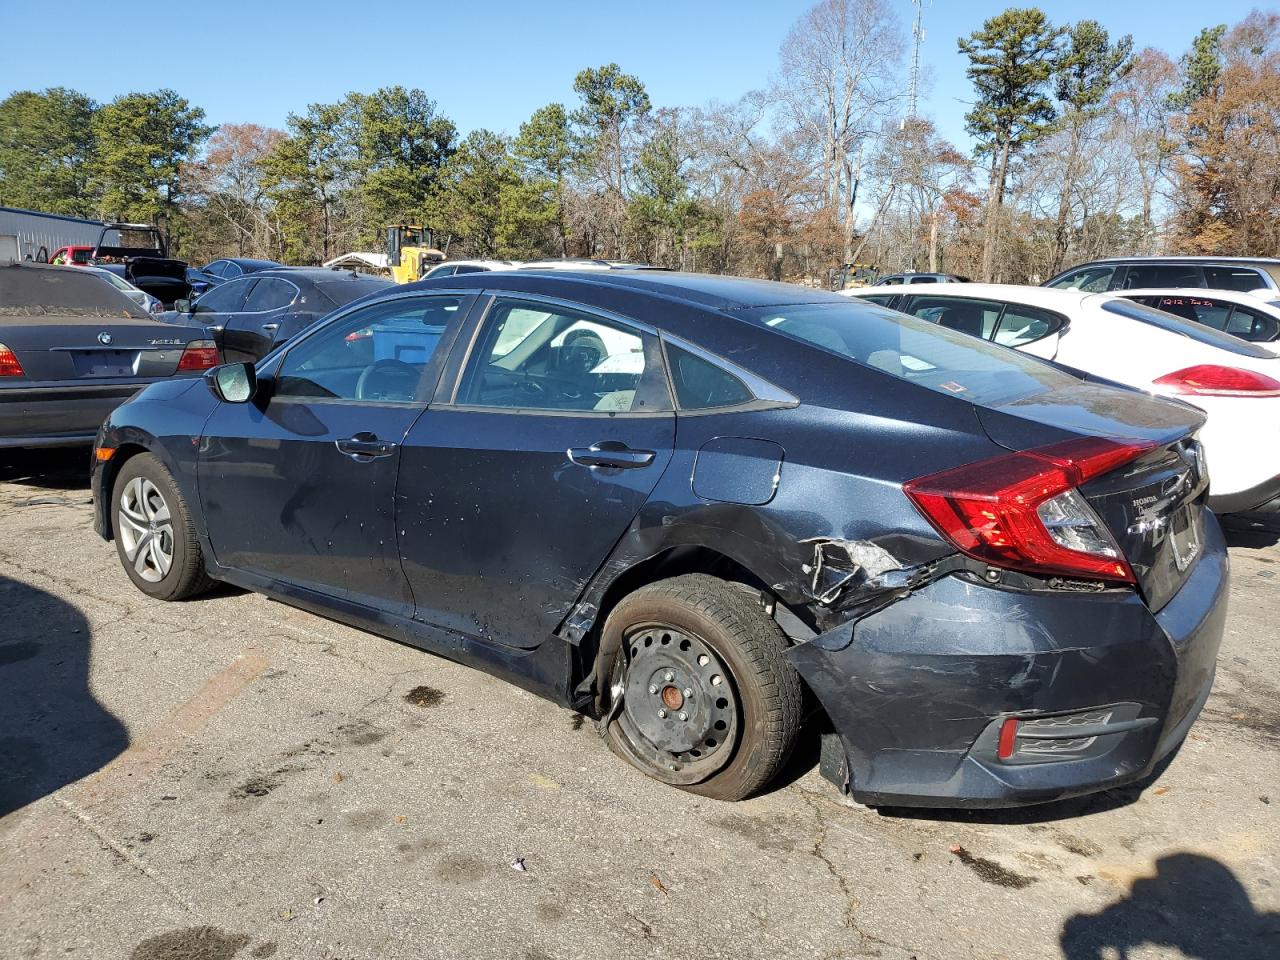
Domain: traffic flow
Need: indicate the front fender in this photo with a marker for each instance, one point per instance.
(167, 420)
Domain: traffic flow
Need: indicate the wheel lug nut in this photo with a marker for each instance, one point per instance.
(703, 659)
(683, 715)
(669, 676)
(688, 691)
(653, 689)
(662, 714)
(715, 681)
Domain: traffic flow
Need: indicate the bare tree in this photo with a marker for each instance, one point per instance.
(840, 78)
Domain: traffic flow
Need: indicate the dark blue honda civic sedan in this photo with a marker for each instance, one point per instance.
(675, 501)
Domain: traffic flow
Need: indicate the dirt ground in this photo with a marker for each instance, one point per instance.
(230, 778)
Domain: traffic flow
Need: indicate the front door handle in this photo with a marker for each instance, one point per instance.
(271, 326)
(610, 453)
(365, 446)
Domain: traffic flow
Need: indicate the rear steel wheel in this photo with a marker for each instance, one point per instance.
(701, 695)
(680, 712)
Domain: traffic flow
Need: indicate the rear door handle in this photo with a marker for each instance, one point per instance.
(271, 326)
(610, 453)
(365, 446)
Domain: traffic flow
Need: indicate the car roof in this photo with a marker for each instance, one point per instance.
(248, 262)
(314, 274)
(1273, 261)
(1049, 297)
(697, 289)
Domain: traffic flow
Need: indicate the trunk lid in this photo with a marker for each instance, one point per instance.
(1153, 506)
(94, 348)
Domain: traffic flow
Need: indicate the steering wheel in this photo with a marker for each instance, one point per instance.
(581, 353)
(388, 380)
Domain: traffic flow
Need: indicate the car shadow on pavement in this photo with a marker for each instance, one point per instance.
(1257, 530)
(1194, 904)
(60, 468)
(53, 731)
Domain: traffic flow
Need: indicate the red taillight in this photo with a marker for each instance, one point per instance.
(1211, 380)
(9, 365)
(199, 355)
(992, 510)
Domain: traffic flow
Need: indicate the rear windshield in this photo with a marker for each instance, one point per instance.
(60, 291)
(344, 291)
(914, 350)
(1187, 328)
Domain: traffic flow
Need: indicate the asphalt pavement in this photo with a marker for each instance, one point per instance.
(230, 778)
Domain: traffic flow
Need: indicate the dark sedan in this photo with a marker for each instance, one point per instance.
(251, 315)
(72, 348)
(673, 501)
(218, 272)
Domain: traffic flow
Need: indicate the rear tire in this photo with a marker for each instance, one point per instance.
(710, 703)
(154, 533)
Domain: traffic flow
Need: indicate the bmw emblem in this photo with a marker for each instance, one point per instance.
(104, 338)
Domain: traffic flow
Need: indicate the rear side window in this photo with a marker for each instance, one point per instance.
(270, 294)
(1021, 324)
(532, 356)
(225, 298)
(701, 385)
(1233, 278)
(890, 282)
(884, 299)
(923, 280)
(340, 292)
(471, 269)
(914, 350)
(1142, 275)
(1249, 324)
(1175, 324)
(1093, 279)
(977, 318)
(1204, 310)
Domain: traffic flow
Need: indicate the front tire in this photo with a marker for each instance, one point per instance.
(154, 533)
(710, 703)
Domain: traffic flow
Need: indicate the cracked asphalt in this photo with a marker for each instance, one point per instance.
(231, 778)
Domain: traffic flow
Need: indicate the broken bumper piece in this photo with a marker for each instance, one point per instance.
(1100, 689)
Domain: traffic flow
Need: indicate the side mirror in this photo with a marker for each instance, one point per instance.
(182, 306)
(233, 382)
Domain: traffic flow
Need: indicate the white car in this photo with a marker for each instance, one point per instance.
(450, 267)
(1253, 316)
(143, 299)
(1105, 335)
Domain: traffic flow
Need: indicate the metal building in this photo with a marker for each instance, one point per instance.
(49, 231)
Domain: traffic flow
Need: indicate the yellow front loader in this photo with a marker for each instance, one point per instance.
(410, 252)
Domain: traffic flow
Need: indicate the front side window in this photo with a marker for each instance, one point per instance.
(977, 318)
(1091, 279)
(924, 279)
(701, 384)
(382, 353)
(447, 270)
(231, 270)
(1233, 278)
(912, 349)
(532, 356)
(890, 282)
(466, 268)
(215, 269)
(224, 298)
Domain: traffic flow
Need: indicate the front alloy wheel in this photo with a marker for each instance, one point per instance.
(145, 527)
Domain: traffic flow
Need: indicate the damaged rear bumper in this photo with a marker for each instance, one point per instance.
(1103, 689)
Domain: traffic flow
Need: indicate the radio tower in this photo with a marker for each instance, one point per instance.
(917, 34)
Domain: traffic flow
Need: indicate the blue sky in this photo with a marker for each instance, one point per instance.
(488, 63)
